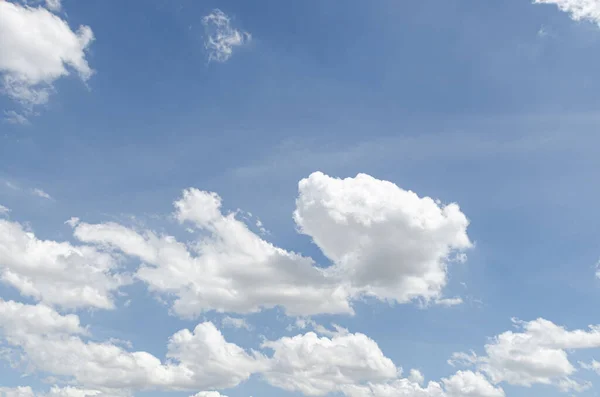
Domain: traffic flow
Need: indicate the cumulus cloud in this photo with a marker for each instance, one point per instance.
(385, 241)
(578, 9)
(229, 269)
(53, 343)
(54, 5)
(470, 384)
(221, 38)
(57, 273)
(208, 394)
(38, 48)
(539, 354)
(316, 365)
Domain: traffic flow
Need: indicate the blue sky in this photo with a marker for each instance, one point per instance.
(115, 111)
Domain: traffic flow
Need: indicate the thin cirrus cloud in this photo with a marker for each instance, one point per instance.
(579, 10)
(221, 37)
(32, 59)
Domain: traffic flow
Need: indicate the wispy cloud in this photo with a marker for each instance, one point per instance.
(4, 210)
(221, 37)
(235, 322)
(41, 193)
(14, 117)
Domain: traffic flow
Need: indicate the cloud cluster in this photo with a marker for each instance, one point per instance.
(383, 242)
(539, 354)
(38, 48)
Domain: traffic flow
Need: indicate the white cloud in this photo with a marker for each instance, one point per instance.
(235, 322)
(57, 273)
(55, 391)
(539, 354)
(319, 365)
(54, 5)
(4, 210)
(229, 269)
(40, 193)
(470, 384)
(221, 37)
(208, 394)
(578, 9)
(14, 117)
(38, 48)
(52, 343)
(385, 241)
(461, 384)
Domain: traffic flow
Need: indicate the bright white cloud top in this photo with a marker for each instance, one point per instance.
(38, 48)
(580, 10)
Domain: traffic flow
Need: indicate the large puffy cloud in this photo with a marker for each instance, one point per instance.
(231, 269)
(578, 9)
(49, 342)
(36, 49)
(57, 273)
(317, 365)
(539, 354)
(385, 241)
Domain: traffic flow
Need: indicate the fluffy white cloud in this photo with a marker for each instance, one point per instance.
(470, 384)
(461, 384)
(57, 273)
(50, 342)
(385, 241)
(230, 269)
(38, 48)
(578, 9)
(537, 355)
(221, 37)
(319, 365)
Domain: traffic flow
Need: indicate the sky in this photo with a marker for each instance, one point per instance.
(301, 198)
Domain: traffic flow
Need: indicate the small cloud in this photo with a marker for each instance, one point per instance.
(13, 117)
(4, 210)
(221, 37)
(234, 322)
(54, 5)
(11, 185)
(74, 221)
(41, 193)
(449, 302)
